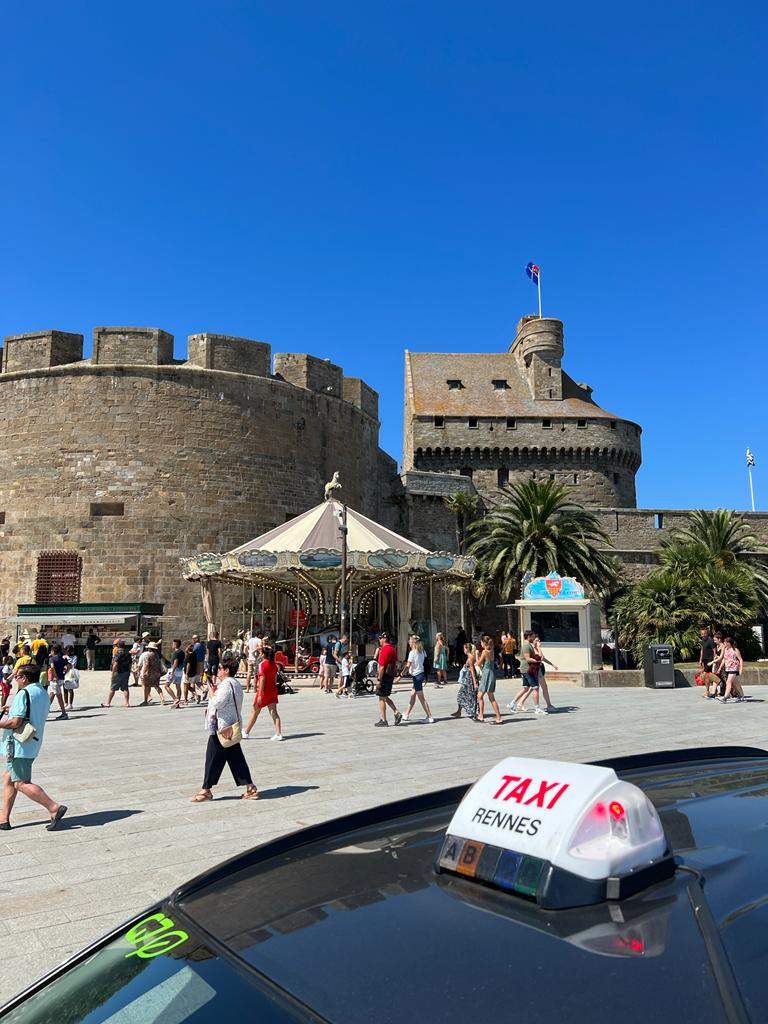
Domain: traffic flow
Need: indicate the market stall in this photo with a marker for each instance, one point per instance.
(69, 624)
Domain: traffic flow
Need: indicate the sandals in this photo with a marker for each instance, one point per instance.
(252, 794)
(201, 796)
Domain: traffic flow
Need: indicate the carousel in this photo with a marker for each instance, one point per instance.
(329, 568)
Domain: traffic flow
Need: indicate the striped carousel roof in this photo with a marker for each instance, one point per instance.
(318, 528)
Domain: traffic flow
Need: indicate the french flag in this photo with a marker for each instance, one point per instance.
(533, 272)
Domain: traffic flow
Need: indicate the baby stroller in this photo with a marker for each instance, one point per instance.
(363, 677)
(283, 686)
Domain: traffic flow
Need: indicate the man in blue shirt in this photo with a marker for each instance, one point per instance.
(199, 648)
(30, 705)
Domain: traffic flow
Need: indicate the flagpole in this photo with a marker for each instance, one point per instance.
(751, 487)
(538, 283)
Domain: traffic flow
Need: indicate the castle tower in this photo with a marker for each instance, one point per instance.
(500, 418)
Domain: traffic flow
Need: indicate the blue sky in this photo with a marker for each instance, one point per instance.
(353, 179)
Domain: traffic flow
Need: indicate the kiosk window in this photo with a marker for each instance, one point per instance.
(556, 627)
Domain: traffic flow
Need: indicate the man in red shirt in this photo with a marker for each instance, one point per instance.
(387, 660)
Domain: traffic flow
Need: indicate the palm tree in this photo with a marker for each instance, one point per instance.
(657, 610)
(670, 604)
(465, 508)
(540, 530)
(718, 538)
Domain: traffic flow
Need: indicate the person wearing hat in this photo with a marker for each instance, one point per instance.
(150, 670)
(121, 674)
(40, 647)
(23, 638)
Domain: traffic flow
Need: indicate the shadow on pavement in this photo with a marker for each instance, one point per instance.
(75, 821)
(94, 818)
(276, 793)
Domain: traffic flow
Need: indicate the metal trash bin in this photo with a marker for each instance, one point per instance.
(659, 666)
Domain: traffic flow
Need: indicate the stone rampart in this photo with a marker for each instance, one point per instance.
(195, 459)
(40, 350)
(597, 458)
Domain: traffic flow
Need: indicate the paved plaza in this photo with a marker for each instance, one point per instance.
(131, 834)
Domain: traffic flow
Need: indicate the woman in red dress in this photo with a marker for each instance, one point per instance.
(266, 694)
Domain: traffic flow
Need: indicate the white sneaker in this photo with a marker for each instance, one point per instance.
(276, 738)
(431, 721)
(539, 711)
(246, 735)
(406, 718)
(512, 706)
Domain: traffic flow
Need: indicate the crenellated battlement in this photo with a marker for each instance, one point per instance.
(153, 347)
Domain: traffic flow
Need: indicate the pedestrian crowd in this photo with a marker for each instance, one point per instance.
(720, 667)
(209, 672)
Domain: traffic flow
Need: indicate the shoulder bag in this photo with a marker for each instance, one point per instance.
(27, 732)
(231, 735)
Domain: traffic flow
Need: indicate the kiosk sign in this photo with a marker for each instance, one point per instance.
(553, 588)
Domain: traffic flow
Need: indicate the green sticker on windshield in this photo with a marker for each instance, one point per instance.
(155, 935)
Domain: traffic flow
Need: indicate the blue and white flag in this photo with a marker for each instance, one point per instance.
(533, 272)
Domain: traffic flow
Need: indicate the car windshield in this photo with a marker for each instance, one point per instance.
(155, 971)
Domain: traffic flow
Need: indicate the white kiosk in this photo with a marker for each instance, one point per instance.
(567, 622)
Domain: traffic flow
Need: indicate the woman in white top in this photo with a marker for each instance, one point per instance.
(414, 667)
(224, 712)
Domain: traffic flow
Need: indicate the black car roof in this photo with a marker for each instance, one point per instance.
(351, 918)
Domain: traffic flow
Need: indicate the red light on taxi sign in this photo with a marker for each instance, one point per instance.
(616, 809)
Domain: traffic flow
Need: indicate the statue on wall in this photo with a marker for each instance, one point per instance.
(332, 486)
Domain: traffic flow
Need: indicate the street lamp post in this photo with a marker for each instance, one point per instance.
(341, 515)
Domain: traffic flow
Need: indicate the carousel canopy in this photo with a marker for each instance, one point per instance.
(311, 544)
(318, 528)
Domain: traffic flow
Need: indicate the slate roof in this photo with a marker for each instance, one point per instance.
(427, 374)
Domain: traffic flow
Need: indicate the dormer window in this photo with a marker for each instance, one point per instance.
(472, 422)
(511, 423)
(439, 421)
(500, 385)
(546, 424)
(454, 385)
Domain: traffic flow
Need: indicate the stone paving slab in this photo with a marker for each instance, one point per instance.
(131, 834)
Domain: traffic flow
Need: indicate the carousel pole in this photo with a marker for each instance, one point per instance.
(298, 613)
(251, 609)
(445, 608)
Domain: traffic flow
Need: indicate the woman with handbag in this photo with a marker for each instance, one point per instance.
(224, 724)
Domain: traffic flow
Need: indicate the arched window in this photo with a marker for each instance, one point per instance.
(59, 574)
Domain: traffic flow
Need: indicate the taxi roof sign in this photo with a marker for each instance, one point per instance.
(556, 831)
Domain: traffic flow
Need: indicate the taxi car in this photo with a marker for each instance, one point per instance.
(624, 890)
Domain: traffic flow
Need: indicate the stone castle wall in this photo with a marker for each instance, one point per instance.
(597, 459)
(200, 460)
(509, 417)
